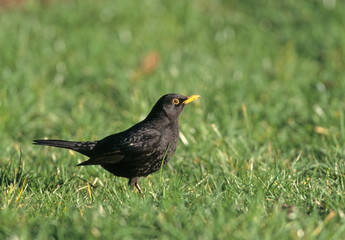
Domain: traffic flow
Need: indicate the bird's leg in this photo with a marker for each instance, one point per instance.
(134, 182)
(137, 186)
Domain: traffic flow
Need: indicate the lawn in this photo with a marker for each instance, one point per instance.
(261, 154)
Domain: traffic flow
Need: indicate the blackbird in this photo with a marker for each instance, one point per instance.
(139, 150)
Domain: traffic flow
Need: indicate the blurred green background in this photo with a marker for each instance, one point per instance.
(263, 155)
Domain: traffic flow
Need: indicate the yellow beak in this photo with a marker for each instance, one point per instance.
(191, 99)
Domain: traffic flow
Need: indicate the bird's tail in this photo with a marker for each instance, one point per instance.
(81, 147)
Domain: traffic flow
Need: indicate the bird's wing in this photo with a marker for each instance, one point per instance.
(117, 147)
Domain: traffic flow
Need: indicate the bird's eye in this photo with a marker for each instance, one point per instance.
(175, 101)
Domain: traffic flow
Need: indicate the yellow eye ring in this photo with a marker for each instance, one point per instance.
(175, 101)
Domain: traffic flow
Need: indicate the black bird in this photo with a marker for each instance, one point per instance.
(139, 150)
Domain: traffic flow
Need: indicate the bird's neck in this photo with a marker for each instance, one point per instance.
(163, 118)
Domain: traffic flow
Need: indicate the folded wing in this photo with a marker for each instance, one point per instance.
(124, 147)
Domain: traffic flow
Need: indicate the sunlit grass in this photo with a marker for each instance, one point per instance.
(261, 154)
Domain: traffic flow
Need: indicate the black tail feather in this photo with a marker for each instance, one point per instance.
(81, 147)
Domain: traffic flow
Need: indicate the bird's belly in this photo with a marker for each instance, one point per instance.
(140, 166)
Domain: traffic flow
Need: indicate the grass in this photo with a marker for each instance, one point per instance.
(262, 155)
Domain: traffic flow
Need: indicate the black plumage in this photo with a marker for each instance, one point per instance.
(139, 150)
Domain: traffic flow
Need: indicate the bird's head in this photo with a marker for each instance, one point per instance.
(171, 105)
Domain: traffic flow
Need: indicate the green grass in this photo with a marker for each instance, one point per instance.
(265, 149)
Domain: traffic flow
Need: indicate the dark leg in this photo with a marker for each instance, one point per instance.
(134, 182)
(137, 186)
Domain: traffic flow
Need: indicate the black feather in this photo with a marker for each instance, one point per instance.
(81, 147)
